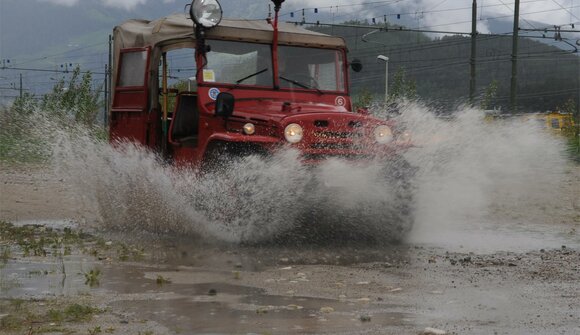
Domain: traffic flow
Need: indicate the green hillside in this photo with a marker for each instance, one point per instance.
(547, 76)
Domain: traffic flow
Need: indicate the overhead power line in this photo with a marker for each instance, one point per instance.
(60, 53)
(399, 14)
(566, 9)
(379, 28)
(342, 6)
(47, 70)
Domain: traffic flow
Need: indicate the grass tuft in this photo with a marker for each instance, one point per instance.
(92, 277)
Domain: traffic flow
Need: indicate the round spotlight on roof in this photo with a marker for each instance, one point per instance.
(206, 13)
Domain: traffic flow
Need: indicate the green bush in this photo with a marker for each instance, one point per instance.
(24, 134)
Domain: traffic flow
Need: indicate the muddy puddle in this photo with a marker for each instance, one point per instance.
(249, 310)
(489, 238)
(191, 287)
(211, 290)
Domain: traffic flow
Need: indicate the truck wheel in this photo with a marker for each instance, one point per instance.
(399, 175)
(221, 156)
(234, 201)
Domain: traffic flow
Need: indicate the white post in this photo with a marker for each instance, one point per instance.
(387, 79)
(386, 60)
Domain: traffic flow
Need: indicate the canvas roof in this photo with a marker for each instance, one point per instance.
(175, 27)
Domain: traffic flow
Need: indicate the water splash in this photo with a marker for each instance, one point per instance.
(469, 169)
(476, 172)
(256, 199)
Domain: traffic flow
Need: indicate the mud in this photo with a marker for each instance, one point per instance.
(332, 290)
(31, 192)
(494, 251)
(490, 278)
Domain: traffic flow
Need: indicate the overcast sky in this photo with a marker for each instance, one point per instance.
(441, 14)
(68, 31)
(454, 14)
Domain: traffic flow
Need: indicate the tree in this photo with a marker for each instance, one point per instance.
(362, 99)
(70, 102)
(402, 88)
(489, 95)
(573, 130)
(75, 100)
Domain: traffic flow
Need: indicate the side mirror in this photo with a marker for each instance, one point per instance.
(356, 65)
(224, 104)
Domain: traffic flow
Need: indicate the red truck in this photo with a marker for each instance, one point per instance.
(259, 86)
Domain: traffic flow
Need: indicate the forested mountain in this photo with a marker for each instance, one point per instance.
(547, 76)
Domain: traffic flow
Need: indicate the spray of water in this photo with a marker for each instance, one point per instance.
(255, 199)
(468, 169)
(474, 171)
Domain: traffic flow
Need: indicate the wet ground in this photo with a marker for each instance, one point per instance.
(513, 275)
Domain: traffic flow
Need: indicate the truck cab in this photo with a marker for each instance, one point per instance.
(257, 86)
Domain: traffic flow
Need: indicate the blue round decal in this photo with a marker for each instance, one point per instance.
(213, 93)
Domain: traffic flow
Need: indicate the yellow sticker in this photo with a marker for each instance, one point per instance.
(208, 76)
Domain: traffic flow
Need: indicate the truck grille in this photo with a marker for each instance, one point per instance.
(337, 134)
(335, 146)
(319, 157)
(340, 139)
(325, 123)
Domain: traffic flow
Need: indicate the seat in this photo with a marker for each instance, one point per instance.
(185, 126)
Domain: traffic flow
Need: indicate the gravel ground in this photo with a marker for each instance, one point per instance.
(527, 285)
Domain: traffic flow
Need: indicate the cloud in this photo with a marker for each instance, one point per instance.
(452, 15)
(122, 4)
(67, 3)
(431, 14)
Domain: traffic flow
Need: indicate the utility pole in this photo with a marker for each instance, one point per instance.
(514, 81)
(473, 51)
(386, 60)
(21, 86)
(577, 130)
(105, 116)
(109, 81)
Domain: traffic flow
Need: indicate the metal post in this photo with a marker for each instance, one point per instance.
(386, 60)
(165, 103)
(21, 86)
(473, 51)
(110, 79)
(514, 81)
(387, 79)
(577, 130)
(105, 116)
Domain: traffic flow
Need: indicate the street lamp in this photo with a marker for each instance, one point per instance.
(386, 60)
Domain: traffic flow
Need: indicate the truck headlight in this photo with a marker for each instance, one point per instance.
(405, 137)
(383, 134)
(249, 129)
(293, 133)
(207, 13)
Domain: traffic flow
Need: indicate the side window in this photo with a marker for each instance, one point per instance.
(555, 123)
(133, 68)
(181, 71)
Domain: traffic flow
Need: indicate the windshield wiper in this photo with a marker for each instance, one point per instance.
(250, 76)
(297, 83)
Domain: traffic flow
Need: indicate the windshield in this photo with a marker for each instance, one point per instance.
(243, 63)
(239, 63)
(313, 68)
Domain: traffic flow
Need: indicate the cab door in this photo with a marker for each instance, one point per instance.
(129, 110)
